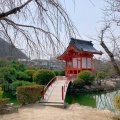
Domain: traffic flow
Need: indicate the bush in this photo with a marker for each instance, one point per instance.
(4, 101)
(30, 73)
(116, 100)
(62, 73)
(43, 76)
(1, 92)
(78, 82)
(87, 76)
(56, 72)
(31, 68)
(18, 83)
(22, 76)
(29, 94)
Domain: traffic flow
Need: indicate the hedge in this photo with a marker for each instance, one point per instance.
(4, 101)
(29, 94)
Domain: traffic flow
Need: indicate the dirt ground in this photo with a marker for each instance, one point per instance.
(73, 112)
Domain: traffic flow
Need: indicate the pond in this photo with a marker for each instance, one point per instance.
(95, 100)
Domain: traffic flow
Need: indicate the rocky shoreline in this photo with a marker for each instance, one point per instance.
(104, 86)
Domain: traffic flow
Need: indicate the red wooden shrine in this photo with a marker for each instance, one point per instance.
(78, 57)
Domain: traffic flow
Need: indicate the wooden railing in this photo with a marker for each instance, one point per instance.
(47, 86)
(64, 88)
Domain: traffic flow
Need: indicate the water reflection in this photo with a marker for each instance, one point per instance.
(100, 101)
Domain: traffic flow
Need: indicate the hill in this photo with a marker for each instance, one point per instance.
(7, 51)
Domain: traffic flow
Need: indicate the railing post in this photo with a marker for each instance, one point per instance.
(64, 88)
(43, 93)
(62, 93)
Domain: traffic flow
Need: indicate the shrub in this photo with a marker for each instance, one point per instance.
(31, 68)
(1, 92)
(22, 76)
(29, 94)
(78, 82)
(4, 101)
(18, 83)
(87, 76)
(116, 100)
(30, 73)
(56, 72)
(43, 76)
(62, 73)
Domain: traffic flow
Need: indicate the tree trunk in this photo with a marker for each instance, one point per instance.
(111, 57)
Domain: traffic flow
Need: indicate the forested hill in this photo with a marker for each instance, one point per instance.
(8, 51)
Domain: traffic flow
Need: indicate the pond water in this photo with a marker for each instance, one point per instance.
(97, 100)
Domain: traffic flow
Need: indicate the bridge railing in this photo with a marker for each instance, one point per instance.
(48, 85)
(64, 88)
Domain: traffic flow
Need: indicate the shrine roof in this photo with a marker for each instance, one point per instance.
(82, 46)
(85, 46)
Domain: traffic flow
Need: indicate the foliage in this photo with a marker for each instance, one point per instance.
(18, 83)
(62, 73)
(4, 101)
(56, 72)
(87, 76)
(30, 73)
(101, 75)
(4, 63)
(1, 92)
(78, 82)
(31, 68)
(5, 86)
(116, 100)
(8, 74)
(28, 94)
(43, 76)
(17, 66)
(22, 76)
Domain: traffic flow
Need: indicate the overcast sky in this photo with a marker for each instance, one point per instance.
(87, 17)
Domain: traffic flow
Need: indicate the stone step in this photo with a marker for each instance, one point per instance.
(8, 110)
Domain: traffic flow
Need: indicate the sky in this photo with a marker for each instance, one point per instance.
(87, 17)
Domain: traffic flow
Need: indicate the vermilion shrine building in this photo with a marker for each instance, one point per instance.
(79, 56)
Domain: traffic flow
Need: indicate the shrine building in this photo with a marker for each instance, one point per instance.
(78, 57)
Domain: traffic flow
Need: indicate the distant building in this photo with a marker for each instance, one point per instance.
(49, 64)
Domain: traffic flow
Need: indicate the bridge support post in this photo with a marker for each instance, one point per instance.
(43, 93)
(64, 88)
(62, 93)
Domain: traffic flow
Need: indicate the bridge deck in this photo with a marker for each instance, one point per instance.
(54, 92)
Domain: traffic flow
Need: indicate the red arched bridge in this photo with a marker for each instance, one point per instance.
(55, 91)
